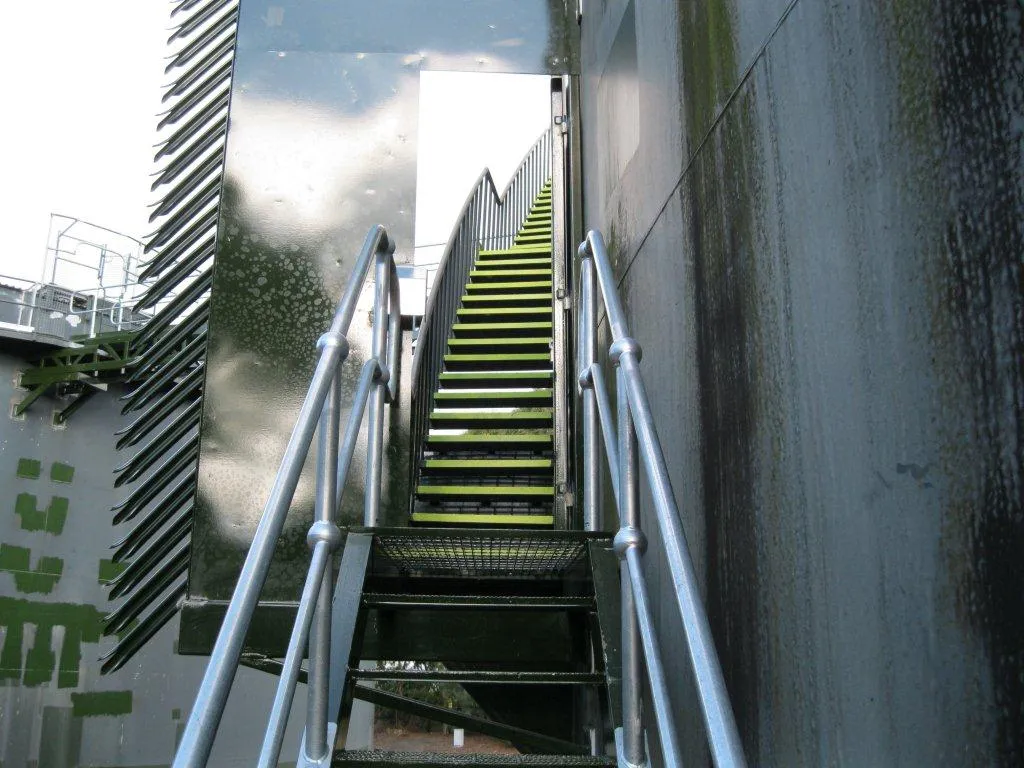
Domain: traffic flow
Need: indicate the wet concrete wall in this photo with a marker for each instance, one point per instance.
(815, 214)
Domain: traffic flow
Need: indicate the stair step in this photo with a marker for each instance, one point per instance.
(525, 286)
(515, 252)
(485, 492)
(488, 466)
(483, 440)
(377, 758)
(495, 362)
(489, 676)
(506, 299)
(495, 398)
(485, 314)
(514, 344)
(481, 602)
(477, 380)
(515, 418)
(482, 519)
(509, 275)
(489, 330)
(510, 263)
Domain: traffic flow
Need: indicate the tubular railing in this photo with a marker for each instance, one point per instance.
(487, 221)
(47, 309)
(313, 620)
(636, 440)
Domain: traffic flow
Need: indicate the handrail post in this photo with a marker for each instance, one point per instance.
(375, 425)
(587, 319)
(633, 751)
(316, 745)
(394, 331)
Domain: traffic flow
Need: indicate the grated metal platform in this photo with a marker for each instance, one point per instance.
(479, 553)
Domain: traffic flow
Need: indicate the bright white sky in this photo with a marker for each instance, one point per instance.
(469, 121)
(82, 86)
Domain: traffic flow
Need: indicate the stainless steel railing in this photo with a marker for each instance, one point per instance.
(322, 403)
(636, 440)
(487, 221)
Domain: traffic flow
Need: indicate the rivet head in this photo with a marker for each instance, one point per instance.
(629, 537)
(623, 346)
(324, 530)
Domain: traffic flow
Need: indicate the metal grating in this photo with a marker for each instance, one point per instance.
(479, 553)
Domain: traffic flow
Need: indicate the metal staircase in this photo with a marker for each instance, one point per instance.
(503, 613)
(540, 614)
(488, 456)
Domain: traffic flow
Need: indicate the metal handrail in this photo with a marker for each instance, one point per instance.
(377, 384)
(487, 220)
(637, 438)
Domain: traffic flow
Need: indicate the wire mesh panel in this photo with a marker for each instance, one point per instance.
(479, 553)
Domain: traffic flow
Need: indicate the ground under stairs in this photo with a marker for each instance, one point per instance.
(488, 459)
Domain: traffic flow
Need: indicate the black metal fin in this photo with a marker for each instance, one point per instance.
(167, 381)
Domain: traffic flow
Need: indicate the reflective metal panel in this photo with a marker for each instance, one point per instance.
(321, 145)
(530, 36)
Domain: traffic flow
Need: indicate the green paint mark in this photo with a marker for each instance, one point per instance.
(109, 570)
(101, 703)
(51, 519)
(62, 473)
(42, 579)
(82, 623)
(29, 469)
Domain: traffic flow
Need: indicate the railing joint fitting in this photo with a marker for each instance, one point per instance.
(625, 345)
(586, 378)
(325, 531)
(333, 339)
(381, 375)
(627, 538)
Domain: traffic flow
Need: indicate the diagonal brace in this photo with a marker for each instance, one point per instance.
(518, 736)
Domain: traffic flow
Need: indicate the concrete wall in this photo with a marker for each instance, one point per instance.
(56, 709)
(815, 215)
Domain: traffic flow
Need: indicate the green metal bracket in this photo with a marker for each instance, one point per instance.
(95, 363)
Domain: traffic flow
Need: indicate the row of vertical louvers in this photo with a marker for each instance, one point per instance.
(488, 459)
